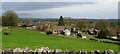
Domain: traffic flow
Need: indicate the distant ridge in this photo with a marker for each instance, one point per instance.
(41, 19)
(55, 19)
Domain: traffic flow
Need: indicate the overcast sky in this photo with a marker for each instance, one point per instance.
(91, 9)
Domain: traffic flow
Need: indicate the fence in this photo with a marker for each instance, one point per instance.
(46, 50)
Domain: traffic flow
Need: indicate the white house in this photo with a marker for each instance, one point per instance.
(67, 32)
(114, 37)
(83, 37)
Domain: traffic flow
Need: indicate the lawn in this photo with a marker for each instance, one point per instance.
(0, 40)
(20, 37)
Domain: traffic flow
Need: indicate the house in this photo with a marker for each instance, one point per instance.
(31, 26)
(61, 30)
(58, 29)
(114, 37)
(67, 32)
(81, 35)
(43, 26)
(55, 33)
(93, 31)
(75, 30)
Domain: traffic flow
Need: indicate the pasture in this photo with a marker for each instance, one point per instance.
(21, 37)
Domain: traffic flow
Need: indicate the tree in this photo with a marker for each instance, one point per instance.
(103, 33)
(112, 31)
(68, 21)
(10, 18)
(0, 20)
(82, 24)
(61, 21)
(102, 24)
(118, 22)
(27, 21)
(49, 30)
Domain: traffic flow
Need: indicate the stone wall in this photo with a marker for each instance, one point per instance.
(46, 50)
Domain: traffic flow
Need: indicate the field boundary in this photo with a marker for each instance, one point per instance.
(46, 50)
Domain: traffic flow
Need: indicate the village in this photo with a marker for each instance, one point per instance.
(51, 28)
(68, 27)
(59, 28)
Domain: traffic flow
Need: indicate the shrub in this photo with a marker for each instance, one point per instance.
(49, 31)
(103, 33)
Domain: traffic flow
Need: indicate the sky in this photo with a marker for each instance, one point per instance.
(89, 9)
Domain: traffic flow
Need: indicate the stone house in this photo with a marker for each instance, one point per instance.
(62, 30)
(43, 26)
(29, 26)
(93, 31)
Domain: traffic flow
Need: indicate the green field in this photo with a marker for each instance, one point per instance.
(20, 37)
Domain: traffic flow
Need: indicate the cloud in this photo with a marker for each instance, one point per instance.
(0, 9)
(48, 0)
(91, 10)
(26, 6)
(60, 0)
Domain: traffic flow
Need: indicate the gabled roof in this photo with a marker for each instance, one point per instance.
(56, 28)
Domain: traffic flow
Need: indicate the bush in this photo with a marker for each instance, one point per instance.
(6, 33)
(48, 32)
(79, 35)
(103, 33)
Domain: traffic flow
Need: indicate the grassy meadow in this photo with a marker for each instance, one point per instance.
(20, 37)
(0, 40)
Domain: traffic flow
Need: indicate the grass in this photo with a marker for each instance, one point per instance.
(0, 40)
(89, 36)
(20, 37)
